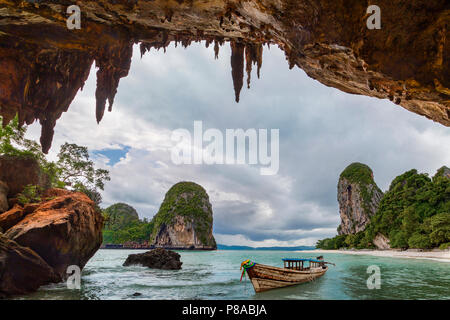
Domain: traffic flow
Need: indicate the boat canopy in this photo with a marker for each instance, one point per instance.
(301, 259)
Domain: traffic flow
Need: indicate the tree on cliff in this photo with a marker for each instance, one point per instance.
(76, 170)
(73, 168)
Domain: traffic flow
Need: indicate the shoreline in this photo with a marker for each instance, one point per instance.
(440, 255)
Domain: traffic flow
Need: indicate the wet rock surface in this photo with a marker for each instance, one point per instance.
(158, 258)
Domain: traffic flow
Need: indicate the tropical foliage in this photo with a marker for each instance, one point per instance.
(122, 224)
(73, 169)
(414, 213)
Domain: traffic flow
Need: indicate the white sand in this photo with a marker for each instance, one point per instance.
(440, 255)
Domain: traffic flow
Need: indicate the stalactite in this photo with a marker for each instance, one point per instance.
(259, 56)
(216, 49)
(237, 66)
(47, 132)
(249, 62)
(143, 48)
(113, 63)
(253, 55)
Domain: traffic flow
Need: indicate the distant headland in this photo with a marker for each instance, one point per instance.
(184, 222)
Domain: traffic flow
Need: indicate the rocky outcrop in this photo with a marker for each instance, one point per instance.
(120, 215)
(358, 198)
(43, 64)
(64, 231)
(21, 269)
(381, 242)
(18, 172)
(185, 219)
(157, 259)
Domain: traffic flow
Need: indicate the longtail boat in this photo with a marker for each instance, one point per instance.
(295, 271)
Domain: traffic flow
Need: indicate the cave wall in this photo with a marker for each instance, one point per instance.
(43, 64)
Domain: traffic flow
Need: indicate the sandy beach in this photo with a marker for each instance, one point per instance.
(441, 255)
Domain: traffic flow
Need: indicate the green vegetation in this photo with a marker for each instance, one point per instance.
(189, 200)
(30, 194)
(13, 142)
(358, 173)
(414, 213)
(122, 224)
(73, 169)
(186, 199)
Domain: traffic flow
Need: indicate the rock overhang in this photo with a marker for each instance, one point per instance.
(44, 64)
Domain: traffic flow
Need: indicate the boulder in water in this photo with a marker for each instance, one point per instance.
(158, 258)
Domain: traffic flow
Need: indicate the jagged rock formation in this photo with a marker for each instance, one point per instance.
(358, 197)
(43, 64)
(185, 219)
(158, 258)
(45, 238)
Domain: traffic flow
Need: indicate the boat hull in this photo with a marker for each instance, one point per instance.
(265, 277)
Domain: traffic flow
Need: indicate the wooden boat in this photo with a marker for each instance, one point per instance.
(295, 271)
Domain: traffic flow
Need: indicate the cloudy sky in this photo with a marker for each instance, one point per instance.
(322, 130)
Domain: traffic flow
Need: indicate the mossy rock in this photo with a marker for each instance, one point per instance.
(191, 202)
(120, 215)
(358, 173)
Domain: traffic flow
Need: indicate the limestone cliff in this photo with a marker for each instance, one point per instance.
(185, 219)
(358, 197)
(43, 64)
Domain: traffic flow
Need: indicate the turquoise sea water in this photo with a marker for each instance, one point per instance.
(215, 275)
